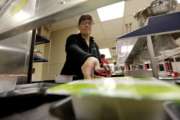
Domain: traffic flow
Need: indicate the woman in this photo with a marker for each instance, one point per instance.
(82, 53)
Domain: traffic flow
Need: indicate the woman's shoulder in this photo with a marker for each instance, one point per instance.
(73, 36)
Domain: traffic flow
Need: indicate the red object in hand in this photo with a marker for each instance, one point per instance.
(175, 74)
(103, 73)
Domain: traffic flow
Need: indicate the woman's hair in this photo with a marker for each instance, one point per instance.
(85, 17)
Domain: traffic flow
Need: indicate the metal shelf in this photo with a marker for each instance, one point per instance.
(157, 25)
(41, 40)
(42, 14)
(136, 50)
(139, 73)
(37, 58)
(168, 53)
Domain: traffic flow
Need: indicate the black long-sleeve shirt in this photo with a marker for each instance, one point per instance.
(77, 51)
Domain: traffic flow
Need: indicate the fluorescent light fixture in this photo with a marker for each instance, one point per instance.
(22, 15)
(112, 11)
(106, 52)
(178, 1)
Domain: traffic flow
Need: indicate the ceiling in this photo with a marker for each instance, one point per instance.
(72, 21)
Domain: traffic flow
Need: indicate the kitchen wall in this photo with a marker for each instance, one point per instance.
(105, 34)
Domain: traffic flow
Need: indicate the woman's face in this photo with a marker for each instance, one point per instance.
(85, 27)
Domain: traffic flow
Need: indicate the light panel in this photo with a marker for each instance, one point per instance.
(112, 11)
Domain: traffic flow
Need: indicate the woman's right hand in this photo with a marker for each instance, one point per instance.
(90, 65)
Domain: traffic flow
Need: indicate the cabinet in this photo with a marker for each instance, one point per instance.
(38, 53)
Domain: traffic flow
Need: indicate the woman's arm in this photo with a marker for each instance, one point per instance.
(83, 59)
